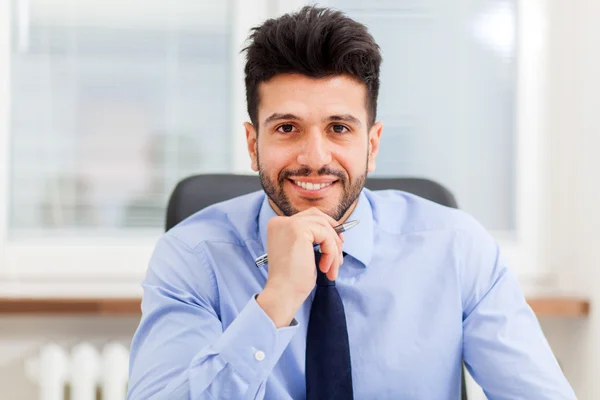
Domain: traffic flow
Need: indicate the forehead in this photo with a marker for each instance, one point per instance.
(312, 97)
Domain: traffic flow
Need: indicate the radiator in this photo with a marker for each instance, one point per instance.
(83, 372)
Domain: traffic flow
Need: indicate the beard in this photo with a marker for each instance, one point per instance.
(276, 193)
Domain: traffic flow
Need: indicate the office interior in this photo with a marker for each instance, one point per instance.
(106, 105)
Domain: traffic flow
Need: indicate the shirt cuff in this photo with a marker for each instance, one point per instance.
(252, 344)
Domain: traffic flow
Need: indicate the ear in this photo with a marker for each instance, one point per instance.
(374, 137)
(252, 142)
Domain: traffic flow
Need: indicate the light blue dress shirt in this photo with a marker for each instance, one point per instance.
(423, 287)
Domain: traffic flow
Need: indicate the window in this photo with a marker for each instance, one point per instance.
(448, 97)
(462, 103)
(111, 104)
(108, 104)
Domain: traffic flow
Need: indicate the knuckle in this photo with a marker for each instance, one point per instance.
(286, 225)
(275, 221)
(273, 225)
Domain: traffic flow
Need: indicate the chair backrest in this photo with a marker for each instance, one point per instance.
(199, 191)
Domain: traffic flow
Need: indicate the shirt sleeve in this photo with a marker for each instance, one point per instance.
(180, 349)
(504, 347)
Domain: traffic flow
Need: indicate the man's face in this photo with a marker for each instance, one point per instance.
(313, 147)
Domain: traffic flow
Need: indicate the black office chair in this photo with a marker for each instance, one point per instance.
(197, 192)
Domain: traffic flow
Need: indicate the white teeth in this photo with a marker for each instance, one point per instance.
(312, 186)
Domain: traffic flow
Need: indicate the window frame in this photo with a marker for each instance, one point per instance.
(522, 247)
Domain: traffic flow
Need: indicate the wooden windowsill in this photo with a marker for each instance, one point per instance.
(49, 305)
(542, 306)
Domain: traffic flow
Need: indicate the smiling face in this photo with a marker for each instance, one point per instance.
(313, 147)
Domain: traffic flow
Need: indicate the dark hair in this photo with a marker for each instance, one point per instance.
(316, 42)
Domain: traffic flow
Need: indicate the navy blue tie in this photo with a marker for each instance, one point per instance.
(328, 369)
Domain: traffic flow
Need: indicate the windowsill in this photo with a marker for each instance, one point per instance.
(543, 306)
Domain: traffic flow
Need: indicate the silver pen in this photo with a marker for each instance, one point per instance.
(262, 260)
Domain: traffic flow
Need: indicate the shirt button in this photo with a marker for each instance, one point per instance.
(259, 355)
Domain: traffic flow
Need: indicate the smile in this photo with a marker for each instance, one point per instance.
(312, 186)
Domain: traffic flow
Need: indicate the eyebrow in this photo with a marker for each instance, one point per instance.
(343, 117)
(280, 117)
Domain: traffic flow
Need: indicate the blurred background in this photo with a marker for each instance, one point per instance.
(106, 105)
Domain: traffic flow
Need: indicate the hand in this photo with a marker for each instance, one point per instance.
(292, 270)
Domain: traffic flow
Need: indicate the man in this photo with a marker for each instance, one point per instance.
(422, 286)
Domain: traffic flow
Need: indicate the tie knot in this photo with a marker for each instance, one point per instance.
(323, 280)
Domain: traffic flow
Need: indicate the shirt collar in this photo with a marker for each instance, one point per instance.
(358, 241)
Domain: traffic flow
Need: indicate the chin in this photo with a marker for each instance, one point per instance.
(321, 202)
(328, 207)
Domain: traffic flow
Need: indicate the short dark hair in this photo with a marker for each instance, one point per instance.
(316, 42)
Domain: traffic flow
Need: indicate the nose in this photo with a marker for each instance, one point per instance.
(314, 152)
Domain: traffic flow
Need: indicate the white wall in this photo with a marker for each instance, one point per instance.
(572, 214)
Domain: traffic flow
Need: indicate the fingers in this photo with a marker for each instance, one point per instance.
(337, 237)
(327, 263)
(331, 243)
(331, 248)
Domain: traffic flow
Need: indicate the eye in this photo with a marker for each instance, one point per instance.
(285, 128)
(340, 128)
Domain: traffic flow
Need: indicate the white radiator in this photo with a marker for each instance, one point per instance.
(83, 372)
